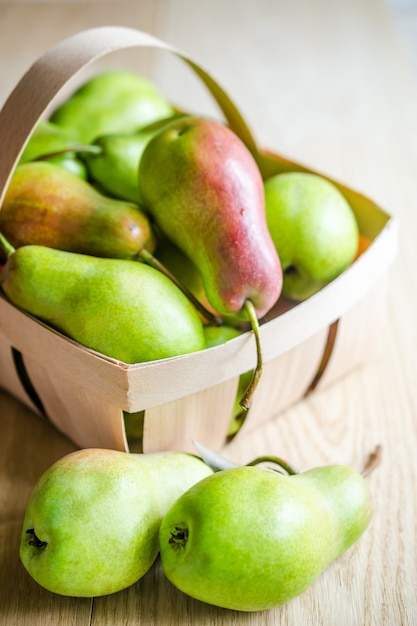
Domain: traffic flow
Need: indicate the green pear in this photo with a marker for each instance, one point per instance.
(204, 189)
(124, 309)
(114, 166)
(46, 138)
(91, 524)
(49, 206)
(251, 538)
(50, 139)
(313, 228)
(114, 101)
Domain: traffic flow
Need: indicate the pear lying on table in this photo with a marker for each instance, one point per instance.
(123, 309)
(45, 205)
(204, 189)
(91, 524)
(251, 538)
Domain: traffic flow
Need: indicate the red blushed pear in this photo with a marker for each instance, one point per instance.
(203, 187)
(49, 206)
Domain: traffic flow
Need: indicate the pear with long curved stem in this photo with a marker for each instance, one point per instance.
(205, 191)
(263, 536)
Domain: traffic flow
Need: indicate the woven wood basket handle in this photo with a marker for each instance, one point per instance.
(44, 80)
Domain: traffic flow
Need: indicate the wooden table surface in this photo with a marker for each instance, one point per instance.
(327, 84)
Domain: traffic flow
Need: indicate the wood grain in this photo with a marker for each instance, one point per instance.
(326, 84)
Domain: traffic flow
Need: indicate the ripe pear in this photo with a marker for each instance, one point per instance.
(313, 228)
(114, 165)
(114, 101)
(205, 191)
(91, 524)
(251, 538)
(124, 309)
(49, 206)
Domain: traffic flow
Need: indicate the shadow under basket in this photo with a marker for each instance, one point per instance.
(306, 346)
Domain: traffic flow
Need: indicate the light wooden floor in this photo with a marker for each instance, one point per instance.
(329, 84)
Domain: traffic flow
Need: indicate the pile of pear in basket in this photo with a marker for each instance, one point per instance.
(164, 280)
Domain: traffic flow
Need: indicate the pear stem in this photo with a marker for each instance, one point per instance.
(291, 471)
(7, 247)
(75, 148)
(149, 258)
(373, 461)
(212, 459)
(246, 399)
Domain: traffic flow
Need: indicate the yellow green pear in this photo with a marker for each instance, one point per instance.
(314, 230)
(251, 538)
(124, 309)
(92, 520)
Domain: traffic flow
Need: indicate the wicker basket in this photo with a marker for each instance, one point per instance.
(306, 346)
